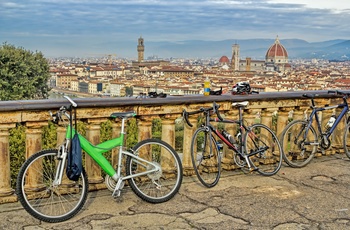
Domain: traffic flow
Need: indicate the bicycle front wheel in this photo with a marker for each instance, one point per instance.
(263, 149)
(205, 157)
(297, 150)
(158, 186)
(42, 198)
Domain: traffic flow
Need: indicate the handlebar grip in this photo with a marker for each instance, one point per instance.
(185, 116)
(71, 101)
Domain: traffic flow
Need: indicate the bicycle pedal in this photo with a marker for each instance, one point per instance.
(253, 170)
(116, 193)
(118, 188)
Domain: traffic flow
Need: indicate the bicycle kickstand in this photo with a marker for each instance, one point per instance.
(119, 186)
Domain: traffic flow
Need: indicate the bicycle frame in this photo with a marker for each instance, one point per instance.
(96, 153)
(315, 111)
(243, 128)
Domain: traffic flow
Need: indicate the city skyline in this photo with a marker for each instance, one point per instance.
(78, 28)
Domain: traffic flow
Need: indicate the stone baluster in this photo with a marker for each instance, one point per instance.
(326, 114)
(168, 135)
(338, 135)
(186, 158)
(282, 120)
(145, 127)
(266, 117)
(6, 192)
(145, 132)
(299, 113)
(250, 116)
(227, 157)
(168, 129)
(34, 181)
(61, 134)
(93, 170)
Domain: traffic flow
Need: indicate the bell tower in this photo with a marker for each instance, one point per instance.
(235, 57)
(140, 50)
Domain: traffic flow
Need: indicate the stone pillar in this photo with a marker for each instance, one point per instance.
(326, 114)
(6, 192)
(282, 120)
(168, 129)
(266, 117)
(299, 113)
(168, 135)
(188, 134)
(145, 127)
(93, 170)
(145, 132)
(227, 156)
(34, 181)
(61, 134)
(250, 116)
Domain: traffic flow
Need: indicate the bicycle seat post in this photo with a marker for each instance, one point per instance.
(240, 114)
(122, 126)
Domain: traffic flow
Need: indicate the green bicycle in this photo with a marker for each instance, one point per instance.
(152, 167)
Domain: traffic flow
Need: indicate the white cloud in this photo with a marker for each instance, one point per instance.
(318, 4)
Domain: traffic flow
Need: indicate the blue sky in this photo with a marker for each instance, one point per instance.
(82, 27)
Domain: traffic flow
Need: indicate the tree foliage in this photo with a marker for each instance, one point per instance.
(23, 74)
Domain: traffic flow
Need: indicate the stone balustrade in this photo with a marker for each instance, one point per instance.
(33, 114)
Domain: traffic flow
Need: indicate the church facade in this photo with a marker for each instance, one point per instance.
(276, 59)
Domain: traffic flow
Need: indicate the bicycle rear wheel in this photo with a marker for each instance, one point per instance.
(159, 186)
(298, 152)
(206, 159)
(41, 198)
(264, 149)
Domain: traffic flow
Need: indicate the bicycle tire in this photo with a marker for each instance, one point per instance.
(159, 186)
(40, 197)
(260, 138)
(295, 154)
(346, 140)
(207, 166)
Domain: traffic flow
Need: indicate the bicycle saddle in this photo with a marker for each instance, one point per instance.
(123, 114)
(240, 104)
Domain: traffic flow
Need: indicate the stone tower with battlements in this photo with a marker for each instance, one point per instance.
(140, 50)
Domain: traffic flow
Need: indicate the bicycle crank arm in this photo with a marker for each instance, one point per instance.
(312, 143)
(119, 186)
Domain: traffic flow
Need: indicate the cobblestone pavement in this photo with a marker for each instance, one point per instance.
(314, 197)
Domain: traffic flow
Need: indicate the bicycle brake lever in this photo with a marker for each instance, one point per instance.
(54, 117)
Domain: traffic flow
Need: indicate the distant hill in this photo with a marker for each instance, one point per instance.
(254, 48)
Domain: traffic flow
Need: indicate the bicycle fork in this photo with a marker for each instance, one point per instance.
(62, 155)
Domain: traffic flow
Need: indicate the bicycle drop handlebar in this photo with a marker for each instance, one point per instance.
(214, 108)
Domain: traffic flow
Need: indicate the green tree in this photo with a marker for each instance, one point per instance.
(23, 74)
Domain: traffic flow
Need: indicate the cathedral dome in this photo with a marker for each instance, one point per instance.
(224, 59)
(276, 51)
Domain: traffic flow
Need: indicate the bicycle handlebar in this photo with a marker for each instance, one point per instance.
(63, 111)
(71, 101)
(214, 108)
